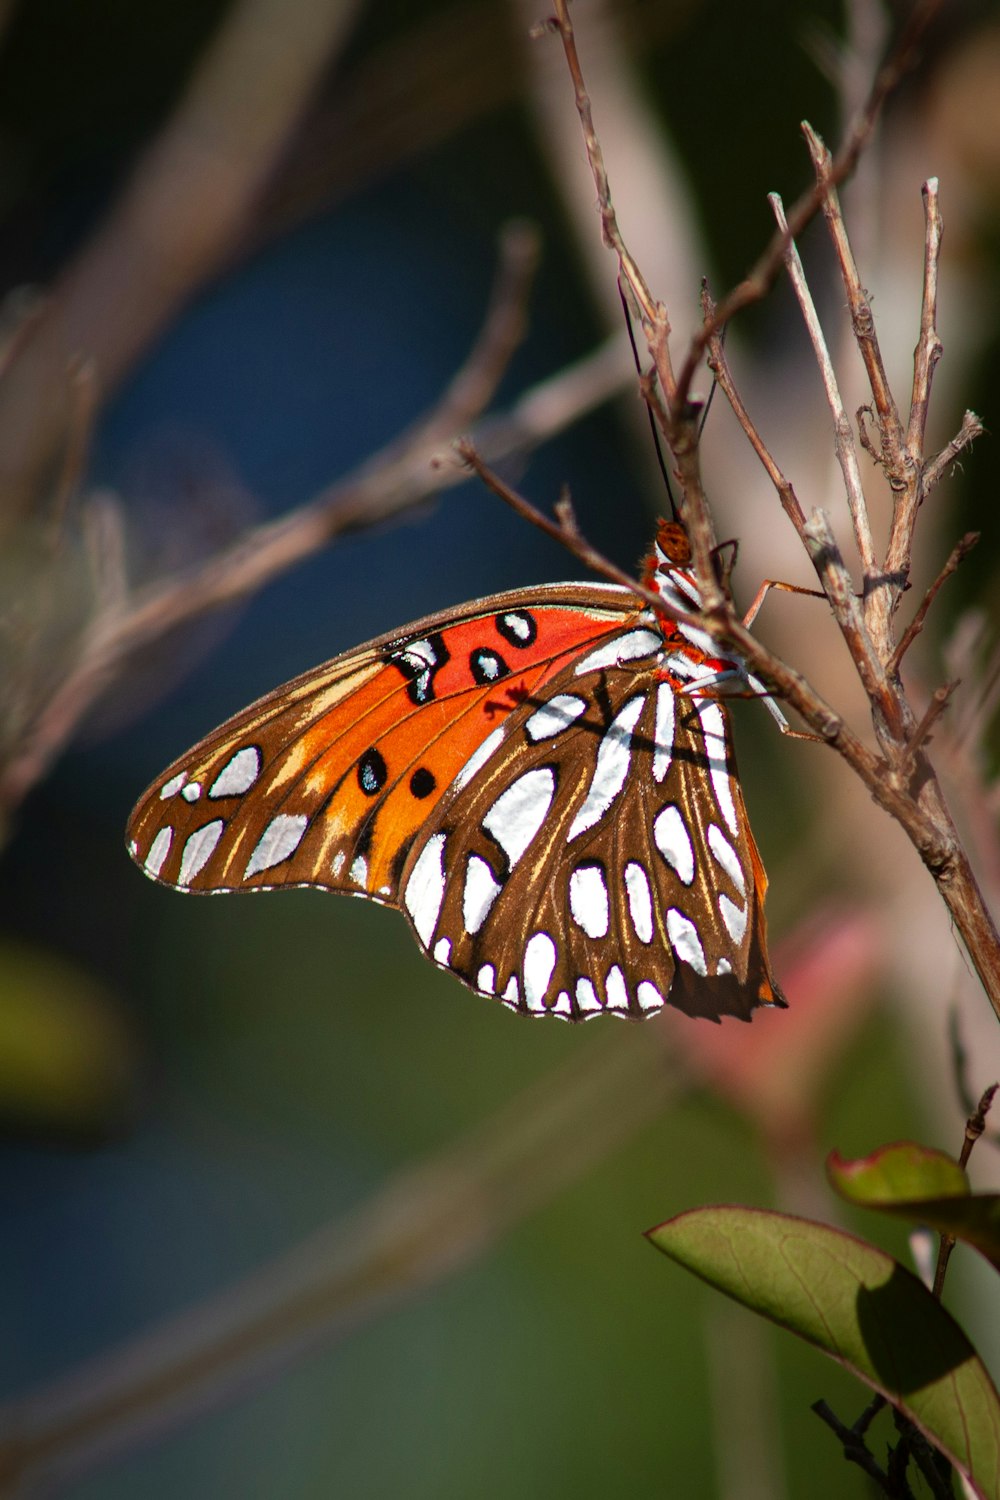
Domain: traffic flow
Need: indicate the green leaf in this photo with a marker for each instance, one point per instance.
(895, 1174)
(863, 1309)
(925, 1187)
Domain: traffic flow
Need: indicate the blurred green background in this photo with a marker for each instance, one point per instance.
(190, 1088)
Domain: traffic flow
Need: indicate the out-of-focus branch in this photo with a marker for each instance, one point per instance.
(421, 1227)
(177, 221)
(413, 466)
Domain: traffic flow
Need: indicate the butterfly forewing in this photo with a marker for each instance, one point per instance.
(327, 780)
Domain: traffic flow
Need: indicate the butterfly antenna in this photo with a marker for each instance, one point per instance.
(657, 444)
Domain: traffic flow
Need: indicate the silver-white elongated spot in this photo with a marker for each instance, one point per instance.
(539, 962)
(649, 997)
(480, 891)
(238, 774)
(663, 731)
(586, 998)
(199, 849)
(726, 857)
(172, 787)
(685, 941)
(191, 791)
(442, 952)
(614, 756)
(278, 842)
(616, 989)
(723, 966)
(486, 979)
(553, 717)
(358, 872)
(640, 900)
(588, 900)
(562, 1006)
(425, 888)
(713, 726)
(519, 812)
(674, 842)
(735, 918)
(158, 851)
(511, 992)
(478, 758)
(631, 646)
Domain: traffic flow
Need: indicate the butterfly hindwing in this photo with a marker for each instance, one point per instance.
(582, 868)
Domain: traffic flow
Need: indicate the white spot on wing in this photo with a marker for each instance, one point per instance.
(588, 900)
(663, 732)
(478, 758)
(725, 856)
(359, 870)
(173, 786)
(553, 717)
(562, 1006)
(480, 891)
(442, 951)
(486, 979)
(723, 966)
(628, 647)
(512, 992)
(674, 842)
(280, 839)
(237, 775)
(339, 860)
(198, 850)
(614, 756)
(586, 998)
(539, 962)
(519, 812)
(616, 989)
(698, 638)
(649, 997)
(713, 726)
(425, 888)
(735, 918)
(158, 851)
(684, 940)
(640, 901)
(192, 791)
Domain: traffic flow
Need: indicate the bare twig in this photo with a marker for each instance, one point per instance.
(958, 555)
(843, 436)
(974, 1128)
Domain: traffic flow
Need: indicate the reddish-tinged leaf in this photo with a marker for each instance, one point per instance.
(900, 1173)
(925, 1187)
(863, 1309)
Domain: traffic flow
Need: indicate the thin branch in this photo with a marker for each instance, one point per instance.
(902, 57)
(928, 350)
(958, 555)
(843, 436)
(971, 428)
(718, 363)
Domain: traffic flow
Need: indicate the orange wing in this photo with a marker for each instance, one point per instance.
(328, 780)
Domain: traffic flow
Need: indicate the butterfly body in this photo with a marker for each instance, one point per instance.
(529, 778)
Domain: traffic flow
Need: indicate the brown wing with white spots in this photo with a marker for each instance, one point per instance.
(600, 859)
(328, 780)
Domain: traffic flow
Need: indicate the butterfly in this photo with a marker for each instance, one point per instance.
(542, 781)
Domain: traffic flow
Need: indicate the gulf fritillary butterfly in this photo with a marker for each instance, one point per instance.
(543, 782)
